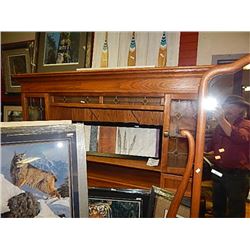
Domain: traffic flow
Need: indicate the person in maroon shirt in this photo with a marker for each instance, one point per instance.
(231, 151)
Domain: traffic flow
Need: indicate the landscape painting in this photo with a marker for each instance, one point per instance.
(36, 176)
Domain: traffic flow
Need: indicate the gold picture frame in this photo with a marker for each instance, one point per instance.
(12, 113)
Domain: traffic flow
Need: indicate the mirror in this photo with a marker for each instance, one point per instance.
(225, 182)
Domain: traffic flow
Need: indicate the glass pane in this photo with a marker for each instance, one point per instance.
(183, 115)
(36, 108)
(177, 152)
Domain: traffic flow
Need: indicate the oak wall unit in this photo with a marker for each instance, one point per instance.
(165, 98)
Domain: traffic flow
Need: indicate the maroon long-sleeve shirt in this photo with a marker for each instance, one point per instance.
(233, 151)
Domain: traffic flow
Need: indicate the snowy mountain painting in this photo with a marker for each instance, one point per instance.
(49, 159)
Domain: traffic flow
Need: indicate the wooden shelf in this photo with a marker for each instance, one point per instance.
(99, 181)
(109, 106)
(107, 175)
(129, 163)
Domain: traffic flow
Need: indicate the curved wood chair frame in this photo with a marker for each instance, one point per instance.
(175, 203)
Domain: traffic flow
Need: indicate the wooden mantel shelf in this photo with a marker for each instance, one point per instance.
(126, 80)
(120, 71)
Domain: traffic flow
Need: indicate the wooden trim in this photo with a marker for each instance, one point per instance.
(24, 102)
(165, 128)
(109, 106)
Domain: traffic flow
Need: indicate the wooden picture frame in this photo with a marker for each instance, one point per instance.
(12, 113)
(63, 51)
(57, 178)
(15, 61)
(118, 203)
(160, 200)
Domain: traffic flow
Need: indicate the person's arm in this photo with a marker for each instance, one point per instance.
(237, 134)
(226, 126)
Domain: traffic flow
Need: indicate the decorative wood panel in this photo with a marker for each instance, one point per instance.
(170, 182)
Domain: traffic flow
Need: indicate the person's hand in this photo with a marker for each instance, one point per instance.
(209, 153)
(210, 156)
(218, 113)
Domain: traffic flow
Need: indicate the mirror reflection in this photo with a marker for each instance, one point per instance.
(225, 185)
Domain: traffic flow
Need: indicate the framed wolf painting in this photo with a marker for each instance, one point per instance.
(43, 172)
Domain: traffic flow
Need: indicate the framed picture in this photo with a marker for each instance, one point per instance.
(15, 61)
(64, 51)
(12, 113)
(122, 142)
(43, 171)
(160, 200)
(118, 203)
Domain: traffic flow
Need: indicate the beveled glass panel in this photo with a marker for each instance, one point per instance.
(177, 152)
(134, 100)
(36, 108)
(183, 115)
(76, 99)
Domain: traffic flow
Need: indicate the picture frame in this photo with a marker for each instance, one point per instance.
(15, 61)
(63, 51)
(160, 201)
(46, 165)
(12, 113)
(118, 203)
(128, 142)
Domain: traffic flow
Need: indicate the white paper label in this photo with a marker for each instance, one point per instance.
(152, 162)
(198, 170)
